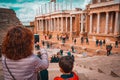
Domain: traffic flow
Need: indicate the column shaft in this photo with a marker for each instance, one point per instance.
(90, 23)
(98, 23)
(106, 26)
(62, 24)
(116, 23)
(82, 23)
(66, 24)
(71, 24)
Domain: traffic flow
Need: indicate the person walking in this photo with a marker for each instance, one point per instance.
(82, 40)
(116, 44)
(97, 42)
(74, 40)
(108, 48)
(18, 60)
(87, 41)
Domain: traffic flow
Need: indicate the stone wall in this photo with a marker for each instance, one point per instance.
(7, 20)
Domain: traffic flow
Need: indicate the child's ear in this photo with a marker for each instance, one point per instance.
(61, 70)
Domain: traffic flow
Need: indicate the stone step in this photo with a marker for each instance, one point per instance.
(93, 75)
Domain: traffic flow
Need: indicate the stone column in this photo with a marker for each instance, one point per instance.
(106, 25)
(58, 24)
(46, 24)
(51, 25)
(66, 24)
(98, 23)
(116, 30)
(42, 24)
(61, 24)
(90, 23)
(99, 0)
(54, 25)
(82, 23)
(71, 24)
(37, 24)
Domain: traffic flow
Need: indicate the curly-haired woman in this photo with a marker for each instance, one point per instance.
(18, 60)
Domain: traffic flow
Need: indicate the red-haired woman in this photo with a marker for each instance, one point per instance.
(18, 60)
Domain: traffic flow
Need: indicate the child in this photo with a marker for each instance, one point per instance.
(66, 65)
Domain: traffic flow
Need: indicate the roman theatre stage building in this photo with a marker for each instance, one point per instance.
(100, 20)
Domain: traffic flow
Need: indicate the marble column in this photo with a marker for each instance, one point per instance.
(98, 23)
(51, 25)
(37, 24)
(66, 24)
(82, 23)
(61, 24)
(45, 25)
(42, 24)
(106, 25)
(58, 24)
(116, 30)
(54, 25)
(91, 15)
(99, 0)
(71, 24)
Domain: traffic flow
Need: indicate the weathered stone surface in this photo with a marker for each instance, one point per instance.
(7, 20)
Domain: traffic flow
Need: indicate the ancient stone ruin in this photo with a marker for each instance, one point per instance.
(7, 20)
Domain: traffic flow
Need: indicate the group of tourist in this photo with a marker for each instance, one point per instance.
(100, 43)
(47, 36)
(82, 40)
(19, 62)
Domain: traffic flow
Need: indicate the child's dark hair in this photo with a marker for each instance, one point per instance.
(66, 64)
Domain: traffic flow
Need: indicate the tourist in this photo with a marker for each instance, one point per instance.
(18, 60)
(37, 46)
(72, 48)
(109, 48)
(100, 43)
(82, 40)
(116, 44)
(66, 64)
(97, 42)
(104, 42)
(84, 53)
(57, 37)
(54, 59)
(59, 55)
(42, 75)
(74, 40)
(61, 52)
(69, 53)
(87, 41)
(45, 37)
(43, 43)
(48, 45)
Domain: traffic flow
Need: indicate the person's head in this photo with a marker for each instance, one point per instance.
(18, 43)
(66, 64)
(39, 53)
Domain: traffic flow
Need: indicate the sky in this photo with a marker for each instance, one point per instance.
(26, 10)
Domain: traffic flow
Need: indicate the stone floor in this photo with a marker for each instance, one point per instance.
(88, 68)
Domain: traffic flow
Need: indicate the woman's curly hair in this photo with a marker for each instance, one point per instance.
(18, 43)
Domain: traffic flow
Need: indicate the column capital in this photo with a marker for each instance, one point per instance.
(90, 13)
(98, 12)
